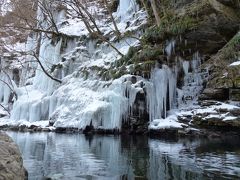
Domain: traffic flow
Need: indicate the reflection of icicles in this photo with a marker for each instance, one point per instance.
(99, 157)
(162, 151)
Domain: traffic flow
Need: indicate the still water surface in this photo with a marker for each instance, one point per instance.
(76, 156)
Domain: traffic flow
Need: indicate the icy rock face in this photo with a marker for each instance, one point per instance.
(29, 68)
(8, 79)
(78, 101)
(164, 95)
(83, 98)
(4, 89)
(30, 105)
(193, 80)
(125, 7)
(49, 55)
(94, 102)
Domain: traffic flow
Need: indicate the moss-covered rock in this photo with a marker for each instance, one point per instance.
(222, 74)
(170, 27)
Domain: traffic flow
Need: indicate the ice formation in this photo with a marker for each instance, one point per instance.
(81, 100)
(8, 80)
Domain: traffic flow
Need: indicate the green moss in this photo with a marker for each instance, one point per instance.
(142, 69)
(149, 64)
(105, 76)
(148, 54)
(232, 49)
(127, 59)
(237, 82)
(115, 73)
(56, 66)
(114, 5)
(170, 26)
(85, 73)
(96, 68)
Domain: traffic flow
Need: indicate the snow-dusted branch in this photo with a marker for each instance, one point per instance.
(5, 109)
(44, 70)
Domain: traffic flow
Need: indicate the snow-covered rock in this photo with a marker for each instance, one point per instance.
(171, 122)
(215, 114)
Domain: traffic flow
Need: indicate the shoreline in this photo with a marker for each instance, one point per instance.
(172, 133)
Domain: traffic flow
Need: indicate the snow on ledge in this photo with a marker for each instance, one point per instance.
(41, 124)
(237, 63)
(212, 112)
(169, 123)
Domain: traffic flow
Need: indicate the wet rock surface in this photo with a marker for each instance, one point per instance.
(11, 163)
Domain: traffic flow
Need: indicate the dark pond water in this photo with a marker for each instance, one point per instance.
(75, 156)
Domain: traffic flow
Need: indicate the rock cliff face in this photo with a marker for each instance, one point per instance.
(11, 163)
(209, 27)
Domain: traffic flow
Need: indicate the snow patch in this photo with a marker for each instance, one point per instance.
(170, 122)
(237, 63)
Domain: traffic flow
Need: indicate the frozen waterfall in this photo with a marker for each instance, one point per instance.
(83, 98)
(161, 92)
(126, 7)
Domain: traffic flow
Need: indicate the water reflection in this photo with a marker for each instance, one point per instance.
(74, 156)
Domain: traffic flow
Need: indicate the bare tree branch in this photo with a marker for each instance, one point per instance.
(44, 70)
(5, 109)
(117, 32)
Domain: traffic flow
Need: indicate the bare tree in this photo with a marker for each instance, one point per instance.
(117, 32)
(27, 16)
(44, 70)
(155, 11)
(145, 6)
(89, 20)
(6, 80)
(30, 15)
(39, 16)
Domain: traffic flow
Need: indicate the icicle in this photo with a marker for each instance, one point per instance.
(192, 81)
(161, 92)
(49, 55)
(185, 65)
(170, 47)
(125, 7)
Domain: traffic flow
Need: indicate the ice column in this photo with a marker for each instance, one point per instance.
(161, 92)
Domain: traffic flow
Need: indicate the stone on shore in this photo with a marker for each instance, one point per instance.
(11, 163)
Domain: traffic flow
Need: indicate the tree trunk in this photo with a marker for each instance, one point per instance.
(117, 32)
(145, 7)
(155, 11)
